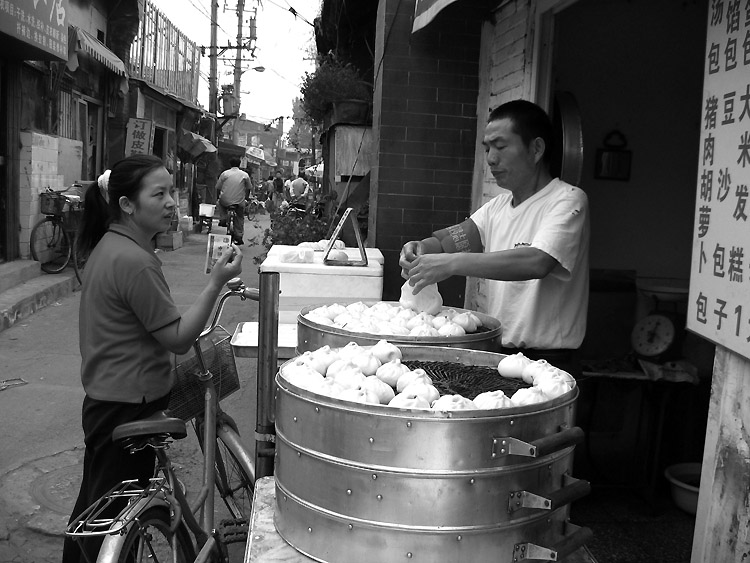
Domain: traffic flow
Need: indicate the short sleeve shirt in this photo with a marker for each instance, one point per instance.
(232, 184)
(547, 313)
(125, 298)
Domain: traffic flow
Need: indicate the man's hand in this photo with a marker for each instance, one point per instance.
(428, 269)
(410, 251)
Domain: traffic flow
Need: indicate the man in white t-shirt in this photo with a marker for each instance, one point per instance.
(531, 243)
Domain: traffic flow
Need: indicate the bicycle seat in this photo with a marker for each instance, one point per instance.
(158, 423)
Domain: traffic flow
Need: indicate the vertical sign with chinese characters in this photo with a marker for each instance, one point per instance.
(140, 137)
(719, 302)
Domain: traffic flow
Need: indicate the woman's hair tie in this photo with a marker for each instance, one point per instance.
(103, 182)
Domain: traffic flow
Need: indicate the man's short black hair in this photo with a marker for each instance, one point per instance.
(529, 122)
(234, 161)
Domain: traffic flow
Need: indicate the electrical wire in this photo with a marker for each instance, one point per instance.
(291, 10)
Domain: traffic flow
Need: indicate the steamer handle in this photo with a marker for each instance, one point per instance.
(569, 544)
(569, 493)
(572, 541)
(555, 442)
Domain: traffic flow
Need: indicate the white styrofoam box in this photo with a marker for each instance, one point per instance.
(206, 210)
(245, 340)
(303, 285)
(373, 254)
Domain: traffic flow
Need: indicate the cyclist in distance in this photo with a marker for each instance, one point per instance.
(129, 324)
(233, 186)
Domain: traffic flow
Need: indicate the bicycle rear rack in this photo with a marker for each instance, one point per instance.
(92, 522)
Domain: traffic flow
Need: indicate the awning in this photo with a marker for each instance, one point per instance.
(195, 144)
(426, 10)
(255, 155)
(270, 160)
(87, 43)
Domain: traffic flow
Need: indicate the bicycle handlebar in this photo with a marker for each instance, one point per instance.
(236, 289)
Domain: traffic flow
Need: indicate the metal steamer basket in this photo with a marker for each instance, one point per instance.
(312, 335)
(374, 484)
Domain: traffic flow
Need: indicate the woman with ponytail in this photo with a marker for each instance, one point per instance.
(128, 323)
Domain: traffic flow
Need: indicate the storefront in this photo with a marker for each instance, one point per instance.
(28, 32)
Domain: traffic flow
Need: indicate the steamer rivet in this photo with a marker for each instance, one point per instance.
(299, 454)
(512, 422)
(374, 476)
(348, 491)
(408, 555)
(294, 419)
(372, 440)
(502, 451)
(380, 497)
(351, 527)
(459, 538)
(471, 481)
(408, 424)
(309, 530)
(317, 409)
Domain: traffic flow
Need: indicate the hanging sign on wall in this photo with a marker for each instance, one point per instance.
(140, 137)
(718, 304)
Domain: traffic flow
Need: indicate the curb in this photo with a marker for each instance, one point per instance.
(30, 296)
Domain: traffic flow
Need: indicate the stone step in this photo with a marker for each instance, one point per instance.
(31, 294)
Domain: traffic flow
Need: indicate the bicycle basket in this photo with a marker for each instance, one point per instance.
(52, 203)
(187, 397)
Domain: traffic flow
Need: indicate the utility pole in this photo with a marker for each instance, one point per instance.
(238, 72)
(213, 91)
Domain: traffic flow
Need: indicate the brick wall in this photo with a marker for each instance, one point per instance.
(510, 61)
(425, 129)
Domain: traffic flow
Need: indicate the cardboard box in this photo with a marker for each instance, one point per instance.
(303, 285)
(171, 240)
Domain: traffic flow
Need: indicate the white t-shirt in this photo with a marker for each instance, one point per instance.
(548, 313)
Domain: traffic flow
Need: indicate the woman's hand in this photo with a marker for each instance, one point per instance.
(228, 266)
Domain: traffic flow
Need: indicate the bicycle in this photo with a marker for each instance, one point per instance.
(157, 521)
(233, 217)
(53, 240)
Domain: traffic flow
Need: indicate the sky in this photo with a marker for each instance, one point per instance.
(284, 47)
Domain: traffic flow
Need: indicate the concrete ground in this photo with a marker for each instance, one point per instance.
(40, 402)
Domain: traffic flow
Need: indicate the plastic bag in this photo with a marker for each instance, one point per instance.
(428, 300)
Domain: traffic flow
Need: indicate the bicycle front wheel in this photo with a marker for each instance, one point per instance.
(50, 245)
(150, 540)
(235, 478)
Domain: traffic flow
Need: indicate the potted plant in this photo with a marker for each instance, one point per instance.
(335, 88)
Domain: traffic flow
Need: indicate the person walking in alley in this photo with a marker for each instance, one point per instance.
(531, 243)
(129, 325)
(233, 186)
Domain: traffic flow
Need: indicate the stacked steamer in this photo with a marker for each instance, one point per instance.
(336, 324)
(425, 453)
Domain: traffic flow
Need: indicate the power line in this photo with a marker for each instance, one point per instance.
(294, 12)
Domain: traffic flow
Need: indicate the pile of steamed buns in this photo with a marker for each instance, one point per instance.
(375, 375)
(388, 319)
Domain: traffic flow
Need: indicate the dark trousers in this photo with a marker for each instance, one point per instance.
(105, 464)
(238, 232)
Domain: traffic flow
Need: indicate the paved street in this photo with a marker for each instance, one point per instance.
(42, 441)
